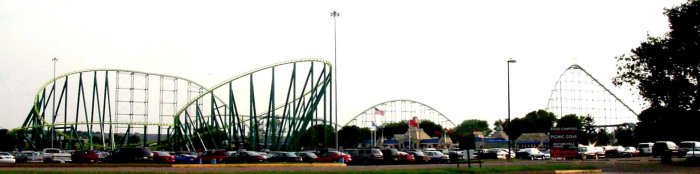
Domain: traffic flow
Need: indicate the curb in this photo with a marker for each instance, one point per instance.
(579, 171)
(259, 165)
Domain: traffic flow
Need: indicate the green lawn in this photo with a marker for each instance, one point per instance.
(493, 169)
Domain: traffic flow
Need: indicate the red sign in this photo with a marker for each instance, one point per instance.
(564, 142)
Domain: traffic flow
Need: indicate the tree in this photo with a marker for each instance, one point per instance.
(389, 129)
(431, 128)
(313, 137)
(539, 121)
(467, 127)
(625, 137)
(8, 140)
(351, 136)
(665, 70)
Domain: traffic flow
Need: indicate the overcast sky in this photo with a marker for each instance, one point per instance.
(450, 55)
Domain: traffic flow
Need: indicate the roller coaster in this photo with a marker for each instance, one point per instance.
(268, 107)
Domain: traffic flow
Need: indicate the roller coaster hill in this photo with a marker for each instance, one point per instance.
(271, 107)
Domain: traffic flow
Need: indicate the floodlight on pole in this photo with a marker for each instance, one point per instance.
(335, 15)
(510, 60)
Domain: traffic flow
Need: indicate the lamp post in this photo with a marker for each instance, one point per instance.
(510, 60)
(53, 107)
(335, 15)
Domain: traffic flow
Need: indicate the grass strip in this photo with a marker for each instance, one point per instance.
(490, 169)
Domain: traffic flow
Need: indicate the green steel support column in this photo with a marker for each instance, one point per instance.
(234, 114)
(77, 108)
(286, 104)
(272, 115)
(65, 109)
(253, 129)
(108, 109)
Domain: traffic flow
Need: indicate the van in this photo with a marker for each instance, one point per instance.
(686, 146)
(662, 146)
(645, 148)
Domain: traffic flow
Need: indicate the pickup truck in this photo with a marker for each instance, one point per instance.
(55, 155)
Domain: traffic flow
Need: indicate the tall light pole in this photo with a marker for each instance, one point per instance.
(53, 108)
(335, 15)
(510, 60)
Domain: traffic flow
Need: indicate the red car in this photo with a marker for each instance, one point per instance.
(85, 156)
(213, 156)
(334, 156)
(406, 158)
(163, 157)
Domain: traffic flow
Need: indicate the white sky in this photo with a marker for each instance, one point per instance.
(450, 55)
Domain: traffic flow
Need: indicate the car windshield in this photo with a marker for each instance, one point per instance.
(251, 153)
(687, 145)
(418, 153)
(52, 151)
(291, 154)
(643, 145)
(376, 151)
(163, 153)
(5, 154)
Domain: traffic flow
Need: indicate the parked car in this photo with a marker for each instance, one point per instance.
(245, 157)
(630, 152)
(693, 154)
(366, 156)
(419, 156)
(686, 146)
(214, 156)
(7, 158)
(284, 157)
(547, 154)
(130, 155)
(391, 156)
(529, 153)
(614, 151)
(55, 155)
(455, 156)
(495, 153)
(406, 158)
(333, 156)
(645, 148)
(163, 157)
(664, 146)
(592, 152)
(307, 156)
(28, 157)
(437, 156)
(85, 156)
(185, 157)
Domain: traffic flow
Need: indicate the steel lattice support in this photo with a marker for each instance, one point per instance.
(578, 92)
(399, 110)
(95, 108)
(269, 107)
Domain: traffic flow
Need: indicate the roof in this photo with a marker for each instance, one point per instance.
(391, 142)
(430, 141)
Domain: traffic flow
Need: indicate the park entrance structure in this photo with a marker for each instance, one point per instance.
(105, 109)
(578, 92)
(271, 107)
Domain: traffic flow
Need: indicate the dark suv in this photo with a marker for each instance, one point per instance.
(663, 146)
(391, 156)
(366, 156)
(131, 155)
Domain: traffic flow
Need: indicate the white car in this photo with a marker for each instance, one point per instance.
(693, 154)
(645, 148)
(6, 158)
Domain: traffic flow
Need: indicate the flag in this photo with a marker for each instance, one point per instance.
(412, 123)
(378, 112)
